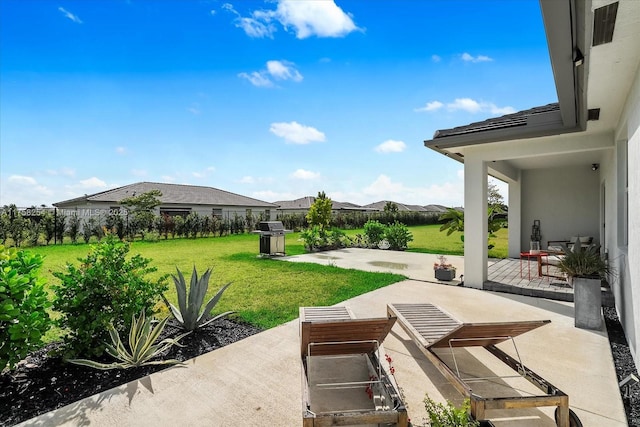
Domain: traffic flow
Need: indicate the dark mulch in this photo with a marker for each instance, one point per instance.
(43, 383)
(624, 365)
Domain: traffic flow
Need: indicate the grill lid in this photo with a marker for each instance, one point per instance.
(270, 226)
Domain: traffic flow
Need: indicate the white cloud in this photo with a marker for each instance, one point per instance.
(283, 70)
(121, 150)
(391, 146)
(277, 70)
(22, 180)
(194, 110)
(92, 182)
(470, 58)
(258, 25)
(469, 105)
(296, 133)
(305, 18)
(305, 174)
(473, 106)
(24, 191)
(204, 173)
(384, 188)
(247, 180)
(138, 172)
(315, 18)
(168, 178)
(430, 106)
(70, 15)
(257, 79)
(436, 58)
(62, 171)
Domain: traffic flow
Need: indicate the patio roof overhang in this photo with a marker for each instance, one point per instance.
(564, 22)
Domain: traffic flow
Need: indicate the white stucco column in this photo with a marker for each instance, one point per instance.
(475, 221)
(515, 219)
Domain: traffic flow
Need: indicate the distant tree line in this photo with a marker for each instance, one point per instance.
(40, 226)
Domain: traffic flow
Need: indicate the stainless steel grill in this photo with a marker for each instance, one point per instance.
(272, 235)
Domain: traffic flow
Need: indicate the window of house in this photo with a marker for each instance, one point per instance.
(267, 215)
(183, 212)
(217, 213)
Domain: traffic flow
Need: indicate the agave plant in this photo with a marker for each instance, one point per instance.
(189, 312)
(142, 347)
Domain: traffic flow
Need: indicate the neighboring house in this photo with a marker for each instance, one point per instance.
(573, 165)
(303, 204)
(176, 199)
(379, 206)
(439, 209)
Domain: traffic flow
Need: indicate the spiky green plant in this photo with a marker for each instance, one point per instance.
(189, 312)
(142, 347)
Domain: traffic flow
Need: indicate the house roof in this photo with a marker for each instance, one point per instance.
(307, 201)
(301, 203)
(401, 206)
(521, 118)
(435, 208)
(171, 194)
(569, 114)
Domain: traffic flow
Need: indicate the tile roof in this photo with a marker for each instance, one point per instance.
(507, 121)
(173, 194)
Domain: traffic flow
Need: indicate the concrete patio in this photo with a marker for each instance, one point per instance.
(257, 381)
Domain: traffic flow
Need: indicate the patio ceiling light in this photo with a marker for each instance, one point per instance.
(595, 166)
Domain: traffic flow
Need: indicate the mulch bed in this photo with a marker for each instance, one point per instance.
(42, 383)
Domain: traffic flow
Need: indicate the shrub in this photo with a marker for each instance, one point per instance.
(74, 228)
(142, 349)
(60, 224)
(398, 236)
(448, 415)
(108, 287)
(23, 306)
(317, 238)
(189, 312)
(320, 211)
(48, 226)
(374, 232)
(33, 227)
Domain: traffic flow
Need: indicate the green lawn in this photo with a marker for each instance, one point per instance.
(264, 292)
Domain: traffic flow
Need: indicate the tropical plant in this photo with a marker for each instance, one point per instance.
(448, 415)
(24, 318)
(320, 211)
(374, 232)
(142, 346)
(579, 261)
(398, 236)
(108, 287)
(34, 228)
(189, 312)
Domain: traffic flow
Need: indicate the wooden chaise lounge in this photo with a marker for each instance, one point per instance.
(344, 380)
(431, 328)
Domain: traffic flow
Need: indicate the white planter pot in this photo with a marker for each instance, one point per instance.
(587, 298)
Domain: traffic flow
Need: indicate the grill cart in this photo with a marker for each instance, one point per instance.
(345, 381)
(272, 235)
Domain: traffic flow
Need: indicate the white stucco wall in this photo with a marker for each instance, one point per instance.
(627, 259)
(566, 200)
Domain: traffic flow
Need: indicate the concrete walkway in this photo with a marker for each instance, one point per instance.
(256, 381)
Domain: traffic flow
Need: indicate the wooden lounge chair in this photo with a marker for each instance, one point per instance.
(431, 328)
(344, 381)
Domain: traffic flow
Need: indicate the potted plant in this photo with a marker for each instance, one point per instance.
(585, 270)
(443, 270)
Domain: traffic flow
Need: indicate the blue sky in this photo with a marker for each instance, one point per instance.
(270, 99)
